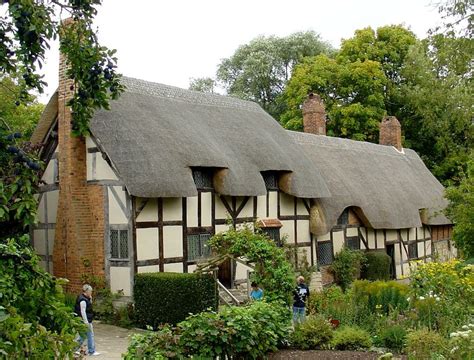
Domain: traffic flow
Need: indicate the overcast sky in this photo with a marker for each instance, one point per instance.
(172, 41)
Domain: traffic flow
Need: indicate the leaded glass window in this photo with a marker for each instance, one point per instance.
(325, 255)
(202, 178)
(198, 247)
(344, 218)
(271, 180)
(413, 250)
(273, 233)
(119, 244)
(353, 243)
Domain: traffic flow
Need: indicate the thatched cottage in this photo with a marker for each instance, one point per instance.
(167, 168)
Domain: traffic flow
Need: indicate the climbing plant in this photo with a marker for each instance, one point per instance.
(272, 269)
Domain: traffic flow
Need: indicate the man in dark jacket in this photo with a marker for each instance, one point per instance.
(300, 294)
(83, 309)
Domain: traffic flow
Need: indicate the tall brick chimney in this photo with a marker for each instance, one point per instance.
(391, 132)
(314, 115)
(78, 252)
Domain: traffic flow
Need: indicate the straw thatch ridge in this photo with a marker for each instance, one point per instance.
(48, 116)
(389, 187)
(154, 134)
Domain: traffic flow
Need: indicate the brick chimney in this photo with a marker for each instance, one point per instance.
(78, 252)
(314, 115)
(391, 132)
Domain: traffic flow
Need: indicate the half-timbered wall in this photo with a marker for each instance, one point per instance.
(42, 234)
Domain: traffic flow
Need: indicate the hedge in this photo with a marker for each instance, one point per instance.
(170, 297)
(377, 266)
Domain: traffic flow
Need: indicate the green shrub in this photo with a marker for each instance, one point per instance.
(423, 344)
(170, 297)
(315, 333)
(347, 266)
(381, 296)
(246, 332)
(394, 337)
(351, 338)
(377, 266)
(461, 343)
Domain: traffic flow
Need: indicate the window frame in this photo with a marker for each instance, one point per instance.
(120, 231)
(319, 245)
(202, 178)
(273, 230)
(202, 255)
(270, 178)
(350, 239)
(412, 245)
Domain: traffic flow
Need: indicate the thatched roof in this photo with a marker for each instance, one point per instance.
(154, 134)
(389, 187)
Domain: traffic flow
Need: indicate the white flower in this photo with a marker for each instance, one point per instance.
(471, 325)
(437, 299)
(464, 335)
(453, 334)
(422, 298)
(465, 327)
(408, 299)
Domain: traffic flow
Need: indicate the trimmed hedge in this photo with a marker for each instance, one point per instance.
(377, 266)
(170, 297)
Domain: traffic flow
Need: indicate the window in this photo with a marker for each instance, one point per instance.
(197, 246)
(273, 233)
(119, 244)
(271, 180)
(325, 255)
(413, 250)
(344, 218)
(353, 243)
(202, 178)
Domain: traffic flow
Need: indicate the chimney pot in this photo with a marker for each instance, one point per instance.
(314, 115)
(391, 132)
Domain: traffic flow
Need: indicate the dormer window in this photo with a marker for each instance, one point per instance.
(202, 178)
(344, 218)
(271, 180)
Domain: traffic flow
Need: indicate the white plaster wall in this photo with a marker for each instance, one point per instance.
(192, 211)
(172, 241)
(178, 267)
(352, 232)
(51, 235)
(262, 206)
(303, 231)
(421, 248)
(53, 199)
(429, 250)
(147, 244)
(370, 238)
(380, 239)
(338, 238)
(221, 211)
(404, 235)
(206, 209)
(191, 268)
(149, 212)
(397, 255)
(40, 241)
(412, 233)
(41, 213)
(221, 228)
(325, 237)
(288, 230)
(300, 208)
(48, 175)
(287, 206)
(172, 209)
(116, 215)
(391, 235)
(273, 205)
(120, 280)
(148, 269)
(103, 171)
(247, 211)
(241, 271)
(90, 143)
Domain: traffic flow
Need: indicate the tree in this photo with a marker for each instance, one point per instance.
(205, 85)
(461, 211)
(22, 117)
(359, 85)
(258, 71)
(25, 35)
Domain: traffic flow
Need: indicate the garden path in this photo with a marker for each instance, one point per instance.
(111, 341)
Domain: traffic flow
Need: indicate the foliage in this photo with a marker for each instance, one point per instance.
(461, 343)
(351, 338)
(258, 71)
(205, 85)
(320, 301)
(423, 344)
(458, 16)
(383, 296)
(272, 272)
(34, 322)
(26, 33)
(15, 115)
(394, 337)
(347, 266)
(461, 211)
(247, 332)
(315, 333)
(299, 261)
(377, 266)
(171, 297)
(19, 166)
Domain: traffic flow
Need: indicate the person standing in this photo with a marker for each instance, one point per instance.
(256, 293)
(83, 309)
(300, 295)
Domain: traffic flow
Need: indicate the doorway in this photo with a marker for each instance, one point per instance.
(391, 252)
